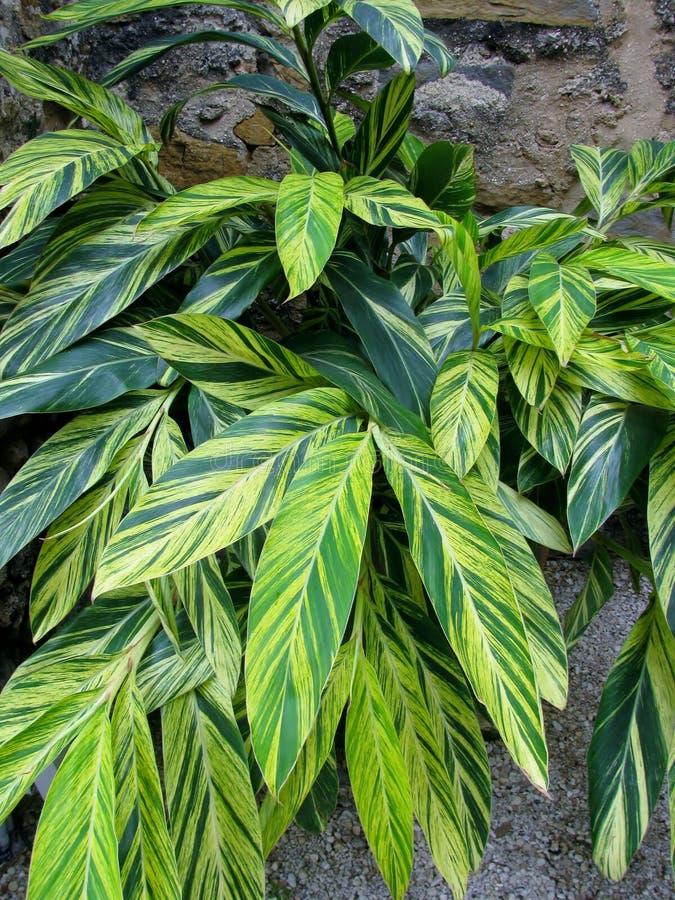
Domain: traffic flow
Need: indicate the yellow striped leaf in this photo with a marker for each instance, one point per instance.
(463, 406)
(381, 201)
(459, 245)
(309, 211)
(296, 10)
(531, 521)
(80, 859)
(551, 430)
(603, 173)
(212, 810)
(629, 751)
(564, 299)
(208, 415)
(379, 779)
(301, 598)
(614, 444)
(395, 24)
(384, 126)
(213, 198)
(595, 593)
(534, 370)
(534, 237)
(518, 319)
(544, 635)
(276, 814)
(50, 170)
(477, 609)
(444, 177)
(657, 275)
(75, 542)
(661, 522)
(319, 804)
(146, 858)
(227, 360)
(437, 807)
(199, 507)
(68, 463)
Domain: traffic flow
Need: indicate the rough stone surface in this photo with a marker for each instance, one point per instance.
(547, 12)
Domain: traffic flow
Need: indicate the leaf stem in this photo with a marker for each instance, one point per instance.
(315, 82)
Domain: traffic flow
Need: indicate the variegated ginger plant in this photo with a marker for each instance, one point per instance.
(340, 518)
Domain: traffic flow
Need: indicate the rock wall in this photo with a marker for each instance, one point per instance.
(533, 76)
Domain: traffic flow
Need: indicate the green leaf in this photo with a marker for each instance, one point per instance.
(76, 93)
(276, 816)
(595, 593)
(209, 795)
(307, 141)
(384, 126)
(86, 375)
(146, 858)
(437, 804)
(648, 163)
(392, 336)
(447, 325)
(156, 49)
(552, 429)
(540, 618)
(302, 596)
(463, 406)
(395, 24)
(229, 286)
(444, 178)
(564, 299)
(435, 47)
(532, 521)
(534, 370)
(197, 507)
(82, 857)
(17, 266)
(648, 272)
(91, 281)
(661, 522)
(309, 211)
(68, 463)
(535, 237)
(319, 804)
(458, 243)
(353, 53)
(628, 755)
(209, 416)
(50, 170)
(297, 101)
(229, 361)
(75, 542)
(478, 611)
(614, 444)
(213, 198)
(379, 779)
(603, 173)
(381, 201)
(518, 319)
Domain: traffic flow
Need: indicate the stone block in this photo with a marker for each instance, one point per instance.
(542, 12)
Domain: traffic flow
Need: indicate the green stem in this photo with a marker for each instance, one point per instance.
(315, 82)
(273, 318)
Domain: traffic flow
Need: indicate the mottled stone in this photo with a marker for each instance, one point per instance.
(256, 131)
(186, 160)
(547, 12)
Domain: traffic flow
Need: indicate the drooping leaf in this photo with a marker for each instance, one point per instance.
(661, 522)
(628, 755)
(83, 97)
(197, 507)
(534, 370)
(392, 336)
(89, 374)
(209, 794)
(231, 284)
(603, 173)
(444, 178)
(647, 272)
(229, 361)
(319, 804)
(276, 816)
(353, 53)
(309, 211)
(478, 611)
(463, 406)
(50, 170)
(82, 857)
(564, 299)
(435, 47)
(384, 126)
(302, 596)
(395, 24)
(68, 463)
(379, 780)
(614, 444)
(535, 237)
(146, 858)
(595, 593)
(533, 522)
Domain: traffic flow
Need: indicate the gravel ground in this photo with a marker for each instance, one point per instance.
(539, 848)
